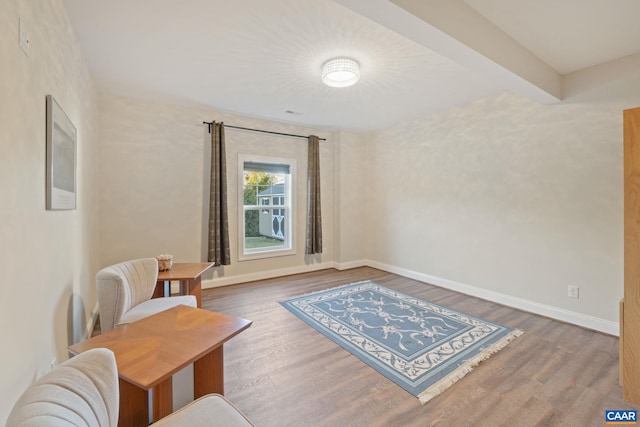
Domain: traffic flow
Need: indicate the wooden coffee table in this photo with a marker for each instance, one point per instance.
(149, 351)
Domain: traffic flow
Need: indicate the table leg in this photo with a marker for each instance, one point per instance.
(163, 399)
(134, 405)
(194, 287)
(208, 374)
(162, 289)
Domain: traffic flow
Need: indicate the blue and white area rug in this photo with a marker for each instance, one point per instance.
(421, 346)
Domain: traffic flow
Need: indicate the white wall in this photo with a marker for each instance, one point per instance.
(154, 181)
(511, 199)
(48, 258)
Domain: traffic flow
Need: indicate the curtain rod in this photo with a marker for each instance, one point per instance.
(263, 131)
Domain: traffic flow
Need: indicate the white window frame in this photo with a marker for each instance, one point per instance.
(290, 211)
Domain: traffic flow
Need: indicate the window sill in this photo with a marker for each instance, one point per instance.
(265, 254)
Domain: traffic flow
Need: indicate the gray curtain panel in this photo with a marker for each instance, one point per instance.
(314, 211)
(219, 251)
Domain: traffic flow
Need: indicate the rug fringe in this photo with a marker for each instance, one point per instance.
(466, 367)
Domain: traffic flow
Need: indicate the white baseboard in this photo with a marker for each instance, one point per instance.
(584, 320)
(351, 264)
(267, 274)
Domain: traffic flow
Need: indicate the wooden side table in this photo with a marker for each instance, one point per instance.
(149, 351)
(188, 274)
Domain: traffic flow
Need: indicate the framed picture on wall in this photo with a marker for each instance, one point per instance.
(61, 158)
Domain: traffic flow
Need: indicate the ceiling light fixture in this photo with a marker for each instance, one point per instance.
(340, 72)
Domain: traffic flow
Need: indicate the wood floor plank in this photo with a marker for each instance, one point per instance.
(281, 372)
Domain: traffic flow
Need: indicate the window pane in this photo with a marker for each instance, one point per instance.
(262, 184)
(261, 232)
(266, 207)
(250, 194)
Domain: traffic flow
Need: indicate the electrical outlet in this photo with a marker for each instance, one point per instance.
(23, 38)
(573, 292)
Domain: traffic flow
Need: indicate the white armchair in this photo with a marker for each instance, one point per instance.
(125, 290)
(83, 392)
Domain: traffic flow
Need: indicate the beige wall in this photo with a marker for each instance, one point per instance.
(509, 199)
(352, 191)
(48, 258)
(154, 181)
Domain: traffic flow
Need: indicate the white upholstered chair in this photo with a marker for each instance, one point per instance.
(83, 392)
(125, 290)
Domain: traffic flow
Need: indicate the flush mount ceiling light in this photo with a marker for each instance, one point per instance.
(340, 72)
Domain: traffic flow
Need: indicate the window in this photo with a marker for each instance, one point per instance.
(265, 215)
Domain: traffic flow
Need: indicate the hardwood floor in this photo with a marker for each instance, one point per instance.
(281, 372)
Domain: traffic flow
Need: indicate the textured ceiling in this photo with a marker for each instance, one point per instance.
(262, 58)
